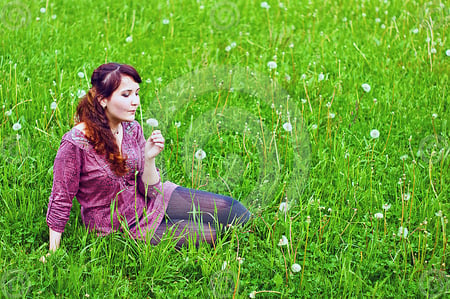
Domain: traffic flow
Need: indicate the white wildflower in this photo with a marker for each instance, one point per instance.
(42, 10)
(8, 113)
(129, 39)
(228, 48)
(165, 21)
(252, 294)
(53, 105)
(438, 213)
(177, 124)
(415, 30)
(404, 157)
(447, 52)
(81, 75)
(406, 196)
(434, 115)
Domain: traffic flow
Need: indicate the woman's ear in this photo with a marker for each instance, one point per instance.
(102, 102)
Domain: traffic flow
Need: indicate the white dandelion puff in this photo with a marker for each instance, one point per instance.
(402, 232)
(296, 267)
(81, 75)
(386, 207)
(43, 10)
(252, 294)
(265, 5)
(81, 93)
(224, 265)
(152, 122)
(283, 207)
(177, 124)
(447, 52)
(228, 48)
(321, 77)
(272, 65)
(283, 241)
(374, 133)
(17, 126)
(165, 21)
(366, 87)
(287, 127)
(53, 105)
(378, 215)
(200, 154)
(129, 39)
(8, 113)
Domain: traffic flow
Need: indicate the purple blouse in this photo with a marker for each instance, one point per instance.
(79, 171)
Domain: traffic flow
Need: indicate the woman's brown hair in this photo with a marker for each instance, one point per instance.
(105, 80)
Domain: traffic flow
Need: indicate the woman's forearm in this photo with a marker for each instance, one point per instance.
(54, 240)
(150, 175)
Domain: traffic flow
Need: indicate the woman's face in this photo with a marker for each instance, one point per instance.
(123, 102)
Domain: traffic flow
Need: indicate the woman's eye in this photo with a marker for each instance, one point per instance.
(126, 95)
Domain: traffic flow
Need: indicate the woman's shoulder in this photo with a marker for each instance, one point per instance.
(77, 136)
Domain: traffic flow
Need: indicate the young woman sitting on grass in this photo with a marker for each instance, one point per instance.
(108, 165)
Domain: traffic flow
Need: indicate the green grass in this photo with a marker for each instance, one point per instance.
(329, 169)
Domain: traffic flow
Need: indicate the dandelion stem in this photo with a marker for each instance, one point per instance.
(304, 256)
(390, 127)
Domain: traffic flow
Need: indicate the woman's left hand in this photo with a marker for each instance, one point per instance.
(154, 145)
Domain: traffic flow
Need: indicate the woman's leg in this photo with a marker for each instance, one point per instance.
(198, 214)
(205, 207)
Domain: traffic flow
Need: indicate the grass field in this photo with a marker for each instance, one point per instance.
(328, 119)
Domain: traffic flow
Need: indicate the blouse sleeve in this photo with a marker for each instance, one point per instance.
(152, 190)
(66, 177)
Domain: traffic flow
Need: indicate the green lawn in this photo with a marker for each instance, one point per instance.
(328, 119)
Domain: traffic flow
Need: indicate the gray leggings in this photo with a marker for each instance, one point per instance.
(197, 215)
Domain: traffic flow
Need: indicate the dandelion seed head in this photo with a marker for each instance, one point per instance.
(272, 65)
(374, 133)
(402, 232)
(296, 268)
(321, 77)
(386, 207)
(17, 126)
(378, 215)
(366, 87)
(152, 122)
(129, 39)
(200, 154)
(53, 105)
(8, 113)
(283, 241)
(42, 10)
(265, 5)
(165, 21)
(287, 127)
